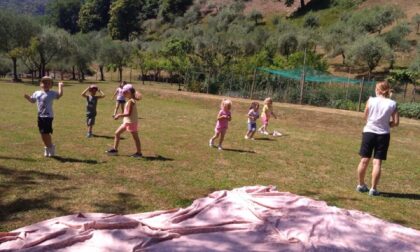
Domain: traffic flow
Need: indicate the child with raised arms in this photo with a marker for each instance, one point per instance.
(223, 118)
(91, 96)
(44, 99)
(130, 121)
(253, 115)
(266, 114)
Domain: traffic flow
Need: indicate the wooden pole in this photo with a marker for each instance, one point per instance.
(362, 84)
(302, 81)
(253, 84)
(348, 84)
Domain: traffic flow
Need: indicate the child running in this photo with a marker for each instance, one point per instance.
(253, 115)
(266, 114)
(223, 119)
(92, 100)
(44, 99)
(120, 98)
(381, 114)
(130, 121)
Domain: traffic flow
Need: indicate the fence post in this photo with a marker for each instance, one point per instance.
(253, 83)
(302, 81)
(360, 93)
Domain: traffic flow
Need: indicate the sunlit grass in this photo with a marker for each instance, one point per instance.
(317, 157)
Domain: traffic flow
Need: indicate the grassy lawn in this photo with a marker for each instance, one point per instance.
(316, 158)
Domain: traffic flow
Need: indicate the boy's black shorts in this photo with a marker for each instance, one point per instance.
(45, 125)
(90, 120)
(376, 143)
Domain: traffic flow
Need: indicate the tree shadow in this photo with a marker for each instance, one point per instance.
(157, 158)
(106, 137)
(125, 203)
(238, 150)
(314, 5)
(19, 159)
(21, 184)
(411, 196)
(75, 160)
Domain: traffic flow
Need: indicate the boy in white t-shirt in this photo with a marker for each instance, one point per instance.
(44, 99)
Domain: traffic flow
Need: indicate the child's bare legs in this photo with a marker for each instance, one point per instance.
(216, 135)
(117, 105)
(117, 138)
(46, 138)
(137, 141)
(251, 134)
(222, 137)
(89, 129)
(361, 170)
(376, 172)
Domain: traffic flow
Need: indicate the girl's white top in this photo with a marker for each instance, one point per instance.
(380, 111)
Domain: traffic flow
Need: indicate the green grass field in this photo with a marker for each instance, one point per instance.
(317, 157)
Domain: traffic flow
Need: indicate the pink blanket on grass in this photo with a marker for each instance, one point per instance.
(256, 218)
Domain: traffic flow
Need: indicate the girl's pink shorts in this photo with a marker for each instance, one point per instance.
(220, 130)
(264, 120)
(131, 127)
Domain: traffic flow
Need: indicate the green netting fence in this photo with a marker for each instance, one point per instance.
(320, 89)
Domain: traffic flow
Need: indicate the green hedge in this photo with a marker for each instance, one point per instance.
(410, 110)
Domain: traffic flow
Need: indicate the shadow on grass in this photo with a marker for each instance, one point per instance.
(75, 160)
(22, 185)
(19, 159)
(411, 196)
(264, 139)
(157, 158)
(123, 204)
(238, 150)
(106, 137)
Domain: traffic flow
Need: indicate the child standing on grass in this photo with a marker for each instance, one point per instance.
(92, 101)
(130, 121)
(120, 98)
(266, 114)
(381, 114)
(253, 115)
(223, 119)
(44, 99)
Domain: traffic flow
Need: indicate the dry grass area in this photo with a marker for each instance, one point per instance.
(317, 157)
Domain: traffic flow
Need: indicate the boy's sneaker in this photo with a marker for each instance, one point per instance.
(266, 133)
(362, 188)
(136, 155)
(211, 143)
(89, 135)
(373, 192)
(246, 137)
(220, 148)
(46, 152)
(112, 152)
(51, 151)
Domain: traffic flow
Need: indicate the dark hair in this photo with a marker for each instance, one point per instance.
(254, 103)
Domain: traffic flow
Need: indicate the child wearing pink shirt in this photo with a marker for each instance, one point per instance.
(223, 119)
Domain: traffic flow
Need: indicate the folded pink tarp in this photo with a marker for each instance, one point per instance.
(254, 218)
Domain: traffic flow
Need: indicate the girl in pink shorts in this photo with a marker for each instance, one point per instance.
(130, 121)
(223, 119)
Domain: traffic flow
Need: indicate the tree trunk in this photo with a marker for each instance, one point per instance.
(83, 76)
(302, 4)
(15, 77)
(32, 76)
(142, 75)
(73, 73)
(61, 75)
(120, 71)
(405, 90)
(414, 93)
(101, 70)
(344, 58)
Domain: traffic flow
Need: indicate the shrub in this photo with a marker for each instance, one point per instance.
(410, 110)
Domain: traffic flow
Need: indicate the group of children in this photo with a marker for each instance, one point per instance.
(126, 100)
(45, 97)
(224, 117)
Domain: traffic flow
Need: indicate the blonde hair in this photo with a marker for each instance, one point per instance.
(227, 103)
(384, 89)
